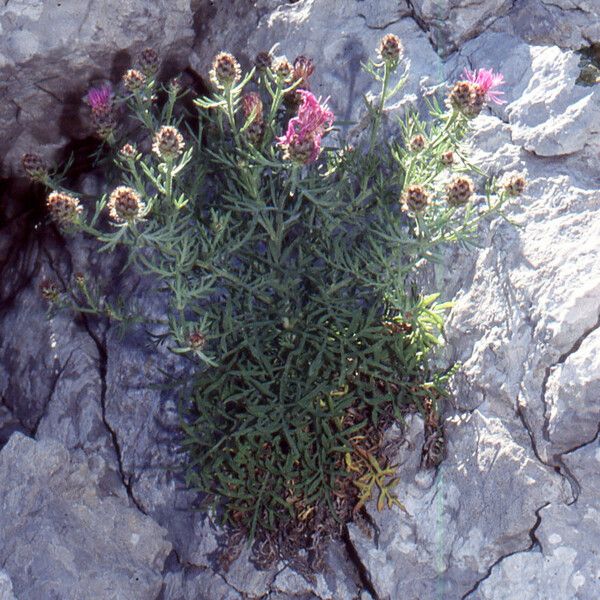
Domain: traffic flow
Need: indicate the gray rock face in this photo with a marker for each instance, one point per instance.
(6, 589)
(337, 40)
(80, 542)
(51, 52)
(452, 22)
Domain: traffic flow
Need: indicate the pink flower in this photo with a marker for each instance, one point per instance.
(487, 80)
(304, 131)
(100, 98)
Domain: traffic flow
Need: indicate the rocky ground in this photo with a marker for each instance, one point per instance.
(91, 504)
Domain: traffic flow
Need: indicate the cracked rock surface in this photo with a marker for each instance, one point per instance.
(512, 512)
(112, 551)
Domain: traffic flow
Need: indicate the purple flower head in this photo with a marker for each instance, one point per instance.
(305, 130)
(100, 98)
(487, 80)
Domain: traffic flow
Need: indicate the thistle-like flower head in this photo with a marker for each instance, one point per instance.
(125, 204)
(64, 208)
(283, 68)
(149, 61)
(263, 60)
(305, 130)
(514, 184)
(304, 67)
(168, 143)
(487, 81)
(34, 166)
(100, 97)
(459, 191)
(415, 199)
(134, 80)
(225, 71)
(390, 49)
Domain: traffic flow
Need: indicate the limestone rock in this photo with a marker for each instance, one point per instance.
(453, 22)
(61, 537)
(337, 40)
(563, 562)
(6, 589)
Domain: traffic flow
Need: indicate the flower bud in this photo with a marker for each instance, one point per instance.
(64, 208)
(255, 132)
(283, 69)
(49, 291)
(263, 61)
(35, 167)
(304, 67)
(467, 98)
(415, 199)
(134, 80)
(448, 158)
(149, 61)
(225, 71)
(197, 340)
(168, 143)
(417, 143)
(104, 121)
(459, 191)
(125, 204)
(252, 104)
(128, 151)
(390, 49)
(514, 184)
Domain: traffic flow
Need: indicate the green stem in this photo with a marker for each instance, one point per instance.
(380, 108)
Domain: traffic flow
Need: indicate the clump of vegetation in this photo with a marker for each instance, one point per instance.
(589, 63)
(287, 262)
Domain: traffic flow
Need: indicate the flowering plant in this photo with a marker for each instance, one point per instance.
(287, 264)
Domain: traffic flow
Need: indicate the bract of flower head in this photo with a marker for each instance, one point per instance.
(252, 105)
(305, 130)
(487, 80)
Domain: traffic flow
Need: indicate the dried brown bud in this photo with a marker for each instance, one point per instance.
(252, 105)
(514, 184)
(125, 204)
(459, 191)
(390, 49)
(415, 199)
(168, 143)
(80, 279)
(134, 80)
(417, 143)
(263, 61)
(149, 61)
(448, 158)
(304, 67)
(35, 167)
(64, 208)
(283, 69)
(196, 340)
(49, 290)
(255, 132)
(225, 70)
